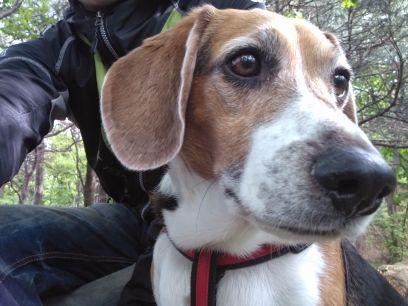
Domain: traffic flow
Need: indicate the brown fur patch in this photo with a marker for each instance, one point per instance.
(145, 95)
(319, 59)
(332, 282)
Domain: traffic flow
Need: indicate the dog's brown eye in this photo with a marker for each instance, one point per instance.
(245, 65)
(341, 80)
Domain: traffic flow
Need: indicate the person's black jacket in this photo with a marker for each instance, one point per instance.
(53, 77)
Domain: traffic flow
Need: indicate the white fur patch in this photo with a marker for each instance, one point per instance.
(276, 184)
(205, 216)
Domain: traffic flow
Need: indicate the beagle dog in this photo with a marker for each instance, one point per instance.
(254, 115)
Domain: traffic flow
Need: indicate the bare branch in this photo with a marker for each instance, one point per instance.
(11, 10)
(66, 149)
(60, 131)
(400, 78)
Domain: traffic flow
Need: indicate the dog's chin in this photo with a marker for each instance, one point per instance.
(330, 225)
(295, 234)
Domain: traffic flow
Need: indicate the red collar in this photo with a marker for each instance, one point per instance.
(209, 267)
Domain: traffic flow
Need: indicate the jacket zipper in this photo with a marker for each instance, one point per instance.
(100, 27)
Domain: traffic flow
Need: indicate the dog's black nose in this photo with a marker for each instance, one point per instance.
(356, 180)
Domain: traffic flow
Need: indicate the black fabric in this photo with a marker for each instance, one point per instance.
(364, 285)
(138, 292)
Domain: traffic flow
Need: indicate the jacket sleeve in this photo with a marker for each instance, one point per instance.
(31, 97)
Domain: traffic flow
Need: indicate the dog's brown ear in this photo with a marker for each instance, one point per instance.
(332, 38)
(145, 94)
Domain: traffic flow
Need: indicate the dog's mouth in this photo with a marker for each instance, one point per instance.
(331, 227)
(309, 234)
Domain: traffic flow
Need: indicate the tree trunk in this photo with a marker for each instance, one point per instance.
(39, 174)
(90, 187)
(79, 192)
(24, 186)
(101, 196)
(28, 172)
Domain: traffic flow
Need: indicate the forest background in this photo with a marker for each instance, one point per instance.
(374, 35)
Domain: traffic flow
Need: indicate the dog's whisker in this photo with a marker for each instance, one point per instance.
(200, 183)
(201, 203)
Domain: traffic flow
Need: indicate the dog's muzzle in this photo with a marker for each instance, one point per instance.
(356, 180)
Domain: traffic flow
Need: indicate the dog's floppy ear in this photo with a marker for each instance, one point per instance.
(145, 94)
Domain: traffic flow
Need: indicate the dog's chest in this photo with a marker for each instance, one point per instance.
(288, 280)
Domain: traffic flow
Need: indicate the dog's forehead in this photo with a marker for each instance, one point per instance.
(318, 49)
(231, 27)
(295, 38)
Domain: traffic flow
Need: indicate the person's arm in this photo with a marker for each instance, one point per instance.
(31, 96)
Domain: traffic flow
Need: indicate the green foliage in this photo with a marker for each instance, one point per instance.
(394, 229)
(394, 224)
(401, 164)
(349, 4)
(62, 184)
(9, 194)
(29, 22)
(295, 14)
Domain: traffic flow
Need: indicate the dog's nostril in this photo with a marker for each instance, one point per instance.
(354, 179)
(386, 191)
(348, 187)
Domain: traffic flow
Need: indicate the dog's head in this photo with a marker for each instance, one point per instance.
(258, 103)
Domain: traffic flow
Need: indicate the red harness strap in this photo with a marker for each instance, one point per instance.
(208, 267)
(203, 279)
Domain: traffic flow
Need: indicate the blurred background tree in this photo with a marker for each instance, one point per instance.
(374, 35)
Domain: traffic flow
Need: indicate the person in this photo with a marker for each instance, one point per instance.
(46, 251)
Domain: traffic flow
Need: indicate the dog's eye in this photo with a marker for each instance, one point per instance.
(341, 80)
(245, 65)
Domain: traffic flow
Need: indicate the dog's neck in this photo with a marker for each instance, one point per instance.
(205, 218)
